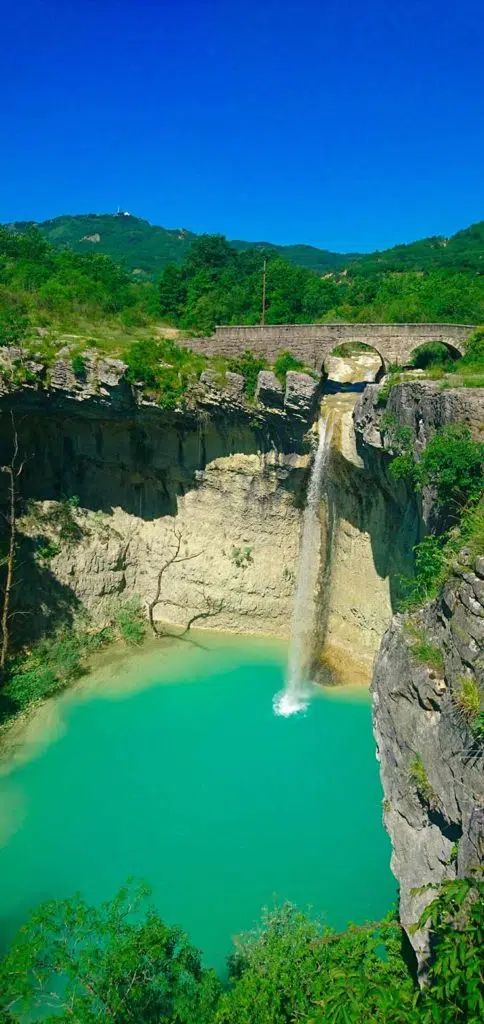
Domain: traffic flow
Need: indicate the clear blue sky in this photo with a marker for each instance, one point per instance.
(349, 124)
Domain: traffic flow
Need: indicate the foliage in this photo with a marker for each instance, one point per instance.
(455, 989)
(469, 700)
(58, 660)
(452, 463)
(249, 365)
(241, 557)
(130, 620)
(14, 325)
(50, 667)
(164, 367)
(295, 969)
(42, 284)
(419, 778)
(349, 348)
(432, 353)
(117, 962)
(120, 962)
(285, 362)
(399, 442)
(79, 365)
(423, 649)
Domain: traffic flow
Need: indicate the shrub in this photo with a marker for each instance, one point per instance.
(285, 362)
(452, 463)
(469, 700)
(249, 365)
(241, 557)
(131, 622)
(419, 778)
(14, 325)
(431, 354)
(454, 992)
(79, 366)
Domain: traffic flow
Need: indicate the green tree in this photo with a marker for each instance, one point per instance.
(453, 463)
(118, 962)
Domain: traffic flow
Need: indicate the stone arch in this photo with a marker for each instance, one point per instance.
(455, 352)
(375, 362)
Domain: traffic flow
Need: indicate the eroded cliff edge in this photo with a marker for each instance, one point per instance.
(222, 478)
(431, 765)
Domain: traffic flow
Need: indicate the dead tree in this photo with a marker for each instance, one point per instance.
(13, 470)
(211, 607)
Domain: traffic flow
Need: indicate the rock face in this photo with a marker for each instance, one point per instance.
(431, 765)
(224, 478)
(301, 394)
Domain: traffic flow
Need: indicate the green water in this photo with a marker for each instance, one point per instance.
(175, 770)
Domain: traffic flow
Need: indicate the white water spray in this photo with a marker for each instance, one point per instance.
(295, 695)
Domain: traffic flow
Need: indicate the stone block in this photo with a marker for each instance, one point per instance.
(269, 390)
(301, 394)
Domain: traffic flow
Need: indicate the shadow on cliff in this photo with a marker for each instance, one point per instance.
(375, 504)
(141, 464)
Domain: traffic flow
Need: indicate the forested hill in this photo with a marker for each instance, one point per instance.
(211, 282)
(146, 249)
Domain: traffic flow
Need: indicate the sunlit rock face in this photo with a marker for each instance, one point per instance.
(219, 479)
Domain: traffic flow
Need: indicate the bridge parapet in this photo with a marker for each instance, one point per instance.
(312, 343)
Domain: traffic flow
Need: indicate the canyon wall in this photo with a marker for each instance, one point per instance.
(430, 762)
(219, 484)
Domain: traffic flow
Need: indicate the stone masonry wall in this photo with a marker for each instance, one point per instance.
(314, 342)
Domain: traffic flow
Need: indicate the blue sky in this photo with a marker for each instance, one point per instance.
(346, 124)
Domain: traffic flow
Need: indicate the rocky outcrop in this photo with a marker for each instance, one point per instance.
(430, 760)
(421, 405)
(225, 476)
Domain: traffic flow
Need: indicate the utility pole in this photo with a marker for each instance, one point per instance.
(263, 317)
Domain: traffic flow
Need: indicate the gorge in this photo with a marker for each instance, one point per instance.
(197, 512)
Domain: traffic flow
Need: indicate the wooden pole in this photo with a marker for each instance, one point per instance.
(263, 317)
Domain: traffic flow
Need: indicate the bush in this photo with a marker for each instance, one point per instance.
(249, 365)
(14, 326)
(452, 463)
(79, 366)
(431, 354)
(419, 778)
(285, 362)
(131, 622)
(468, 697)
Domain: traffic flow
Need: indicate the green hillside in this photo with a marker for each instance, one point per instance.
(145, 249)
(463, 251)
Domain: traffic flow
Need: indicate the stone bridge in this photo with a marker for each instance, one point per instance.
(312, 343)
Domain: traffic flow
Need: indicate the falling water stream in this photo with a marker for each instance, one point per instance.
(295, 695)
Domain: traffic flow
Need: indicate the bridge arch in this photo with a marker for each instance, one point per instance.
(434, 351)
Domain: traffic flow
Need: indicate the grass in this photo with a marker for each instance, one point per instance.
(423, 649)
(419, 778)
(468, 699)
(57, 661)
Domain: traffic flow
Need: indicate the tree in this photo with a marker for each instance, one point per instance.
(13, 470)
(117, 963)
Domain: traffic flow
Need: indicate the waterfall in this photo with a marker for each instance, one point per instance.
(296, 692)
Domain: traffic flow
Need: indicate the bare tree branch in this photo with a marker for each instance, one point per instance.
(13, 472)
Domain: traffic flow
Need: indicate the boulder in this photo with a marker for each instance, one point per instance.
(301, 394)
(234, 385)
(269, 390)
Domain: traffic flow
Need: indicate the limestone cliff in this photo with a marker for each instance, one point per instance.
(225, 476)
(431, 764)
